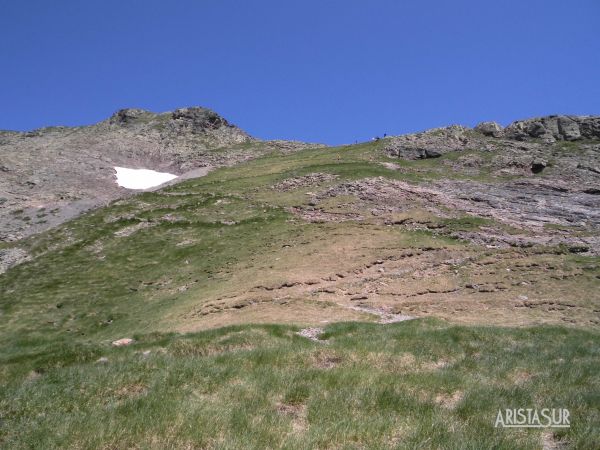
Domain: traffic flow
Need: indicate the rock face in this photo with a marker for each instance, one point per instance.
(52, 174)
(540, 173)
(555, 128)
(571, 144)
(429, 144)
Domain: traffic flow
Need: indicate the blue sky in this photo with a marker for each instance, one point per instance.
(312, 70)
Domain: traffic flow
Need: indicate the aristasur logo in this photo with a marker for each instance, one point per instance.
(533, 418)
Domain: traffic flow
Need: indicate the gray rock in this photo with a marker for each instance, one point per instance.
(10, 257)
(492, 129)
(429, 144)
(559, 128)
(568, 128)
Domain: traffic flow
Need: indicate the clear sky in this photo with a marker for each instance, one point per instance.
(314, 70)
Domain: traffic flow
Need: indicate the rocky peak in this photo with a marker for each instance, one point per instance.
(193, 120)
(128, 116)
(198, 118)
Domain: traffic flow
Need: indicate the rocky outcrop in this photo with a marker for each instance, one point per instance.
(429, 144)
(130, 116)
(555, 128)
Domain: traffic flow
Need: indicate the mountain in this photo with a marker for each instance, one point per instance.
(384, 294)
(53, 174)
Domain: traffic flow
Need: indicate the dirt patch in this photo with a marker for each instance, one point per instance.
(384, 316)
(326, 360)
(130, 391)
(449, 400)
(552, 442)
(296, 413)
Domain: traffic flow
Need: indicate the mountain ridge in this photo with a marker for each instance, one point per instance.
(54, 174)
(436, 276)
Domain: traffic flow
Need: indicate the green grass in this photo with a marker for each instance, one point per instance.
(419, 384)
(466, 223)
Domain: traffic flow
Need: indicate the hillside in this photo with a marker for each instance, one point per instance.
(54, 174)
(446, 270)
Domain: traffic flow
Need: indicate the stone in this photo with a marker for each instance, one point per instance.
(568, 129)
(492, 129)
(123, 342)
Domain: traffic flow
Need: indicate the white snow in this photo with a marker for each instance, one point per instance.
(141, 178)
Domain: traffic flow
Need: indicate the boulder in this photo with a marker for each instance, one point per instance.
(568, 128)
(490, 129)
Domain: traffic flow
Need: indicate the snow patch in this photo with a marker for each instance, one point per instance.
(141, 178)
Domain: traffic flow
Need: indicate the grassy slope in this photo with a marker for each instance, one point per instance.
(420, 384)
(257, 386)
(70, 289)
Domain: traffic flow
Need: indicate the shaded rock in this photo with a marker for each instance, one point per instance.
(578, 248)
(538, 165)
(429, 153)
